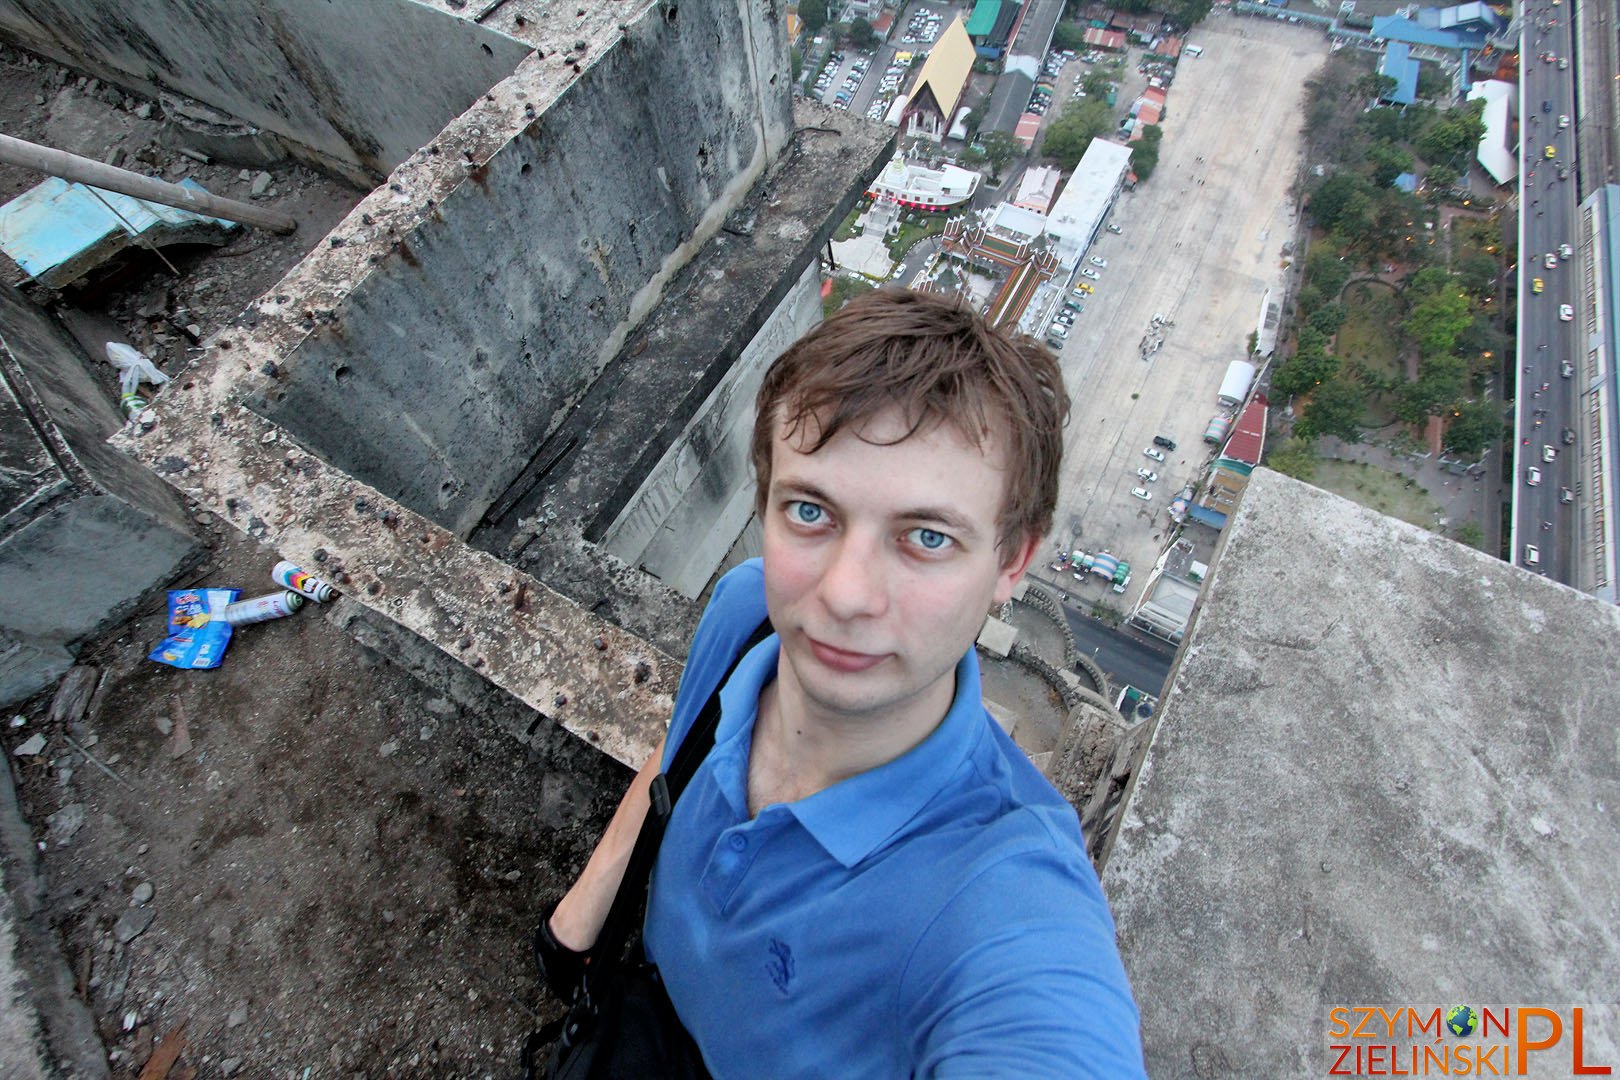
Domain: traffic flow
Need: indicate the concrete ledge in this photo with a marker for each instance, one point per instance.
(1386, 772)
(46, 1032)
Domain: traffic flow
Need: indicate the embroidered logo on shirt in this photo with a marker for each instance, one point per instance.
(780, 964)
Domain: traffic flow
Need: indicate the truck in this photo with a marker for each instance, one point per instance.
(1235, 386)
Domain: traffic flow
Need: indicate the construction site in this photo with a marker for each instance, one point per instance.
(487, 366)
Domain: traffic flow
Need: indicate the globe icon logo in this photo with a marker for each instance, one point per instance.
(1461, 1021)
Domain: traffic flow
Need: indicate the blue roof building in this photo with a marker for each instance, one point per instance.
(1399, 65)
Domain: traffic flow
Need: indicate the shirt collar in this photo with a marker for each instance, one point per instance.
(855, 817)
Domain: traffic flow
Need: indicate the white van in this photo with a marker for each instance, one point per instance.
(1194, 50)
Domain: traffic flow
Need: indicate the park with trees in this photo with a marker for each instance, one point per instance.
(1400, 310)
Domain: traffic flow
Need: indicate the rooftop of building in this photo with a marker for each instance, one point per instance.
(1386, 772)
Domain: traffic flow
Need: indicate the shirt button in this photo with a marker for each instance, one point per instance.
(738, 842)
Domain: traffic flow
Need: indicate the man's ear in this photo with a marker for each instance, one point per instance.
(1019, 558)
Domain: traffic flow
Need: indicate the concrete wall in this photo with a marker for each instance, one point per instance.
(356, 86)
(442, 371)
(696, 502)
(85, 533)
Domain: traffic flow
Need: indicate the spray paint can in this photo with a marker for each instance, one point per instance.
(262, 608)
(292, 576)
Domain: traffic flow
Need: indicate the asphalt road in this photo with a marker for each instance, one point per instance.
(1127, 657)
(1543, 525)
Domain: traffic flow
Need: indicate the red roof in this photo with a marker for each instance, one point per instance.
(882, 23)
(1155, 95)
(1249, 433)
(1029, 125)
(1107, 39)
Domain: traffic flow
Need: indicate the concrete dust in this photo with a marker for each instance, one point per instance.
(307, 858)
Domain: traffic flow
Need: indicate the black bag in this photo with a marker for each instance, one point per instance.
(622, 1025)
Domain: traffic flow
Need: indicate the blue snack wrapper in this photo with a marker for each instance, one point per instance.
(197, 636)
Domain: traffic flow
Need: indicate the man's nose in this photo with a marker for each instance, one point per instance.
(852, 584)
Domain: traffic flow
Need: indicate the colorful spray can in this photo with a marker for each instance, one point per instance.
(262, 608)
(291, 576)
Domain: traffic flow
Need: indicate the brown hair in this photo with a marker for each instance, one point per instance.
(932, 358)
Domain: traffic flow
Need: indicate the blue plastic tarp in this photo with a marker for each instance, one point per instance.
(57, 231)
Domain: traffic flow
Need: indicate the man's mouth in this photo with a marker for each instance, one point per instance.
(842, 659)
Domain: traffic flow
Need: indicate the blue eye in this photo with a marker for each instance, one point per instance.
(929, 540)
(805, 513)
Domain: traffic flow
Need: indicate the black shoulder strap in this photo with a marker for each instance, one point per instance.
(666, 788)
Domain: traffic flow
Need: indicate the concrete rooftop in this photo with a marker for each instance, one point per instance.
(1387, 772)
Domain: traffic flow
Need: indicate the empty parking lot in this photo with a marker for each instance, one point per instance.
(1202, 243)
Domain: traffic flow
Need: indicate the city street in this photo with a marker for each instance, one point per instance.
(1550, 357)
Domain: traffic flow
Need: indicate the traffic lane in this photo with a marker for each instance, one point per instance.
(1126, 657)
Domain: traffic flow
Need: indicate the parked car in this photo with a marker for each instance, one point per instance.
(1099, 262)
(1058, 330)
(899, 271)
(1164, 441)
(1088, 272)
(1142, 493)
(1147, 474)
(1115, 229)
(1156, 455)
(1566, 313)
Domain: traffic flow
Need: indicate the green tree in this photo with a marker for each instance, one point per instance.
(1337, 408)
(1432, 81)
(1435, 322)
(1069, 136)
(1329, 318)
(1326, 268)
(1477, 274)
(1294, 457)
(1475, 427)
(1387, 162)
(1441, 177)
(1341, 196)
(1438, 388)
(861, 34)
(1000, 149)
(1375, 85)
(1069, 35)
(1310, 298)
(813, 13)
(1483, 344)
(1096, 84)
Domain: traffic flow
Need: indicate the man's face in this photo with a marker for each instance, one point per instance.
(880, 565)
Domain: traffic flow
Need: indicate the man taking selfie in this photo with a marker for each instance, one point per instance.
(865, 877)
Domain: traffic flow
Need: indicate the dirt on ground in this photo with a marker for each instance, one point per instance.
(304, 863)
(341, 869)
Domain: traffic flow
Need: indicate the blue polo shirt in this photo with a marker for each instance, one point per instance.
(934, 917)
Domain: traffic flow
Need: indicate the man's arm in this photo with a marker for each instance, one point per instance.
(577, 920)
